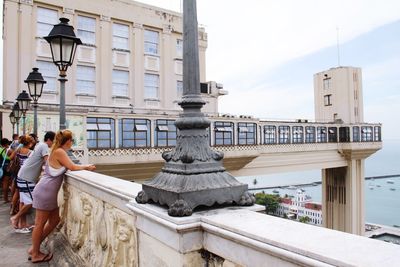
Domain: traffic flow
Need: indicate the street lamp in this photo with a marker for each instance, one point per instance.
(63, 43)
(17, 114)
(13, 120)
(35, 83)
(23, 101)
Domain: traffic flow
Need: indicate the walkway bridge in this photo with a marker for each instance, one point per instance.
(251, 147)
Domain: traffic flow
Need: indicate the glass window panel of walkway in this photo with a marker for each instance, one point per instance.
(332, 135)
(269, 134)
(246, 133)
(366, 134)
(223, 133)
(284, 134)
(377, 132)
(321, 134)
(356, 134)
(134, 133)
(297, 136)
(310, 134)
(100, 133)
(165, 133)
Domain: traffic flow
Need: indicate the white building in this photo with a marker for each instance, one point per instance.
(299, 206)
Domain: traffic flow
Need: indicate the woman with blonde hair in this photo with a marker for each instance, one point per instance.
(46, 191)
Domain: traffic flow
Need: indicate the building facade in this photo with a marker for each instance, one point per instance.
(130, 61)
(300, 206)
(338, 95)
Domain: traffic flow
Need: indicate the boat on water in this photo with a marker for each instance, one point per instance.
(390, 181)
(291, 187)
(275, 191)
(393, 189)
(378, 185)
(371, 187)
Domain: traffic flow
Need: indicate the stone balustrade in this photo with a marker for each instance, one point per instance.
(106, 227)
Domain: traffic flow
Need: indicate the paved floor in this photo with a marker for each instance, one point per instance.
(13, 246)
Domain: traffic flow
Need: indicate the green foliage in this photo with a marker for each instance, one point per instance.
(305, 219)
(271, 202)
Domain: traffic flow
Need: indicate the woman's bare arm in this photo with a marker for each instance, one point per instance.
(63, 160)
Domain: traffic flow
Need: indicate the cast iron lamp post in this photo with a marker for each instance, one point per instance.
(35, 83)
(13, 121)
(23, 102)
(17, 114)
(193, 174)
(63, 43)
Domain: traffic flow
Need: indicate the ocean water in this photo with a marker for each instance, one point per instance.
(382, 199)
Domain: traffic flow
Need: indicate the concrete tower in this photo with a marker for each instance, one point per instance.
(338, 95)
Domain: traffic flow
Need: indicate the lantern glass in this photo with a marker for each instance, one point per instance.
(13, 120)
(17, 111)
(23, 101)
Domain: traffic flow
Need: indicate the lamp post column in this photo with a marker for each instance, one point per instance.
(35, 121)
(62, 80)
(23, 123)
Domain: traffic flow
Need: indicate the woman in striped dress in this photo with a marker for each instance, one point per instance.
(18, 221)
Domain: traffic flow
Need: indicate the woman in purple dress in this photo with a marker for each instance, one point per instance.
(46, 191)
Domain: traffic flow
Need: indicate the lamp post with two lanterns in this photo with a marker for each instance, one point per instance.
(13, 121)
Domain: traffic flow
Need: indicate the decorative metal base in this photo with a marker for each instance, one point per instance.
(183, 193)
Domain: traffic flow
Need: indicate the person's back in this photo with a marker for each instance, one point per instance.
(32, 167)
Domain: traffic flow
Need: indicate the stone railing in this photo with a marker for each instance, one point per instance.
(106, 227)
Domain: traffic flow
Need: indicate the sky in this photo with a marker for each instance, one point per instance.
(265, 53)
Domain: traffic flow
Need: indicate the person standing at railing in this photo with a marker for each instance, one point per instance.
(46, 191)
(28, 176)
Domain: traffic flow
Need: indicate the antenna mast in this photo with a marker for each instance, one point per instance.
(337, 44)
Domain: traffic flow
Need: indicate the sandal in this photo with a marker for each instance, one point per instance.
(45, 258)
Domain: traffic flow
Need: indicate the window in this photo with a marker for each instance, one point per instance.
(310, 134)
(151, 82)
(344, 134)
(246, 133)
(165, 133)
(100, 133)
(327, 100)
(356, 134)
(179, 89)
(86, 30)
(332, 134)
(223, 133)
(327, 83)
(377, 132)
(49, 72)
(366, 134)
(269, 134)
(321, 135)
(284, 134)
(46, 19)
(85, 80)
(151, 42)
(120, 36)
(179, 48)
(297, 135)
(134, 133)
(120, 81)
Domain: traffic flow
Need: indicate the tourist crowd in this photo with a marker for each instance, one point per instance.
(31, 175)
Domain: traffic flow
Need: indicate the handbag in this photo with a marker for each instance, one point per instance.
(2, 165)
(14, 165)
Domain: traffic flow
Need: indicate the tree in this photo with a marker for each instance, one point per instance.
(271, 202)
(305, 219)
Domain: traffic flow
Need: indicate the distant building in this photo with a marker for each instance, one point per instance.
(300, 206)
(128, 69)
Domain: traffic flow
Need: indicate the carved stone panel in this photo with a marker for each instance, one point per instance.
(98, 232)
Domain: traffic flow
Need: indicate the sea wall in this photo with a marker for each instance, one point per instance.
(104, 226)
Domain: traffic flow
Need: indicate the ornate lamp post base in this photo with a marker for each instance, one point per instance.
(184, 193)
